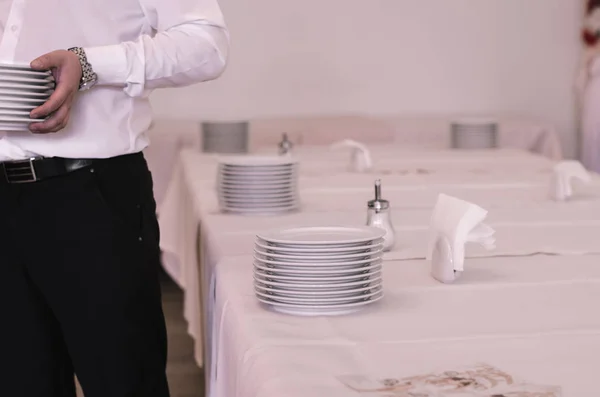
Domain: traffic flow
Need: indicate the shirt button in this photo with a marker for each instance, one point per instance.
(14, 28)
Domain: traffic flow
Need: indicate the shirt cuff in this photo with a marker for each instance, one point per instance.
(109, 63)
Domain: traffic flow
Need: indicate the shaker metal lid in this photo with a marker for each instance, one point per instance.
(378, 203)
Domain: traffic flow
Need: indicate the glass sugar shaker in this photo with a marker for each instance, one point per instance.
(285, 145)
(378, 215)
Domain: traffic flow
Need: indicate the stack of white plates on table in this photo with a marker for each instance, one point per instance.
(474, 133)
(257, 185)
(315, 271)
(22, 89)
(225, 137)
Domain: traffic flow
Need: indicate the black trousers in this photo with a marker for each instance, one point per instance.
(79, 287)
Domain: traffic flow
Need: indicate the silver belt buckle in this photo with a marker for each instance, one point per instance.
(20, 171)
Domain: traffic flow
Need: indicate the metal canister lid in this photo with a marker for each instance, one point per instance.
(378, 203)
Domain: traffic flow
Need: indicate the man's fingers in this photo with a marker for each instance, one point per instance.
(56, 100)
(55, 123)
(47, 61)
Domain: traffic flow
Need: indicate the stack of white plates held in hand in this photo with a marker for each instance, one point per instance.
(258, 185)
(474, 133)
(316, 271)
(22, 89)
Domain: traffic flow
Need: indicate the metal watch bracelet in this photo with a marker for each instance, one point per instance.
(88, 76)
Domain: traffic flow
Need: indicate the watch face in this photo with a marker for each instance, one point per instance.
(87, 85)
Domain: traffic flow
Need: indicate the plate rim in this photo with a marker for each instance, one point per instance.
(322, 292)
(325, 307)
(261, 160)
(321, 257)
(309, 265)
(350, 284)
(338, 299)
(377, 272)
(319, 273)
(319, 249)
(376, 234)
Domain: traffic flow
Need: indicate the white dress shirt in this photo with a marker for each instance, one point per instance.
(134, 46)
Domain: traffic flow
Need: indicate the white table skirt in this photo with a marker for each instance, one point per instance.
(514, 187)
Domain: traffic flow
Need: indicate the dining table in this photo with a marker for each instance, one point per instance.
(521, 313)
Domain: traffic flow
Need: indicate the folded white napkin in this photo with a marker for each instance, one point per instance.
(454, 223)
(561, 188)
(360, 159)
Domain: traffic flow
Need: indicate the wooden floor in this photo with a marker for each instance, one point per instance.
(185, 378)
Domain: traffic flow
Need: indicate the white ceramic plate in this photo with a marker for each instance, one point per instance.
(318, 300)
(17, 106)
(259, 168)
(25, 94)
(255, 198)
(280, 204)
(27, 120)
(360, 289)
(319, 310)
(355, 245)
(316, 249)
(316, 287)
(284, 184)
(323, 235)
(255, 185)
(253, 203)
(260, 211)
(311, 264)
(258, 188)
(269, 208)
(310, 281)
(336, 257)
(257, 161)
(318, 271)
(257, 173)
(308, 255)
(30, 74)
(258, 203)
(12, 99)
(12, 78)
(12, 127)
(26, 87)
(290, 201)
(15, 65)
(14, 113)
(258, 192)
(19, 67)
(260, 195)
(254, 180)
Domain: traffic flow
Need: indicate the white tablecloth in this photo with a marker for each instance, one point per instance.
(531, 317)
(169, 137)
(513, 187)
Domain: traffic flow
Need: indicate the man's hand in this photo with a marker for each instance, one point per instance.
(67, 72)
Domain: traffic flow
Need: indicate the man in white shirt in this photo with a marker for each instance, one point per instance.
(79, 289)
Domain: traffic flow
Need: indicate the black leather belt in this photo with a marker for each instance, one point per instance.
(37, 169)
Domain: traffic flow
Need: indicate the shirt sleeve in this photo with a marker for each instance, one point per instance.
(190, 45)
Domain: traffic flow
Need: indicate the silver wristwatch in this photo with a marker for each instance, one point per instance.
(88, 77)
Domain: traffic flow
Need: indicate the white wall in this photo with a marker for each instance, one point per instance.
(393, 56)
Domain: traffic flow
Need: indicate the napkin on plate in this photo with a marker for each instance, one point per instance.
(454, 223)
(360, 160)
(561, 188)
